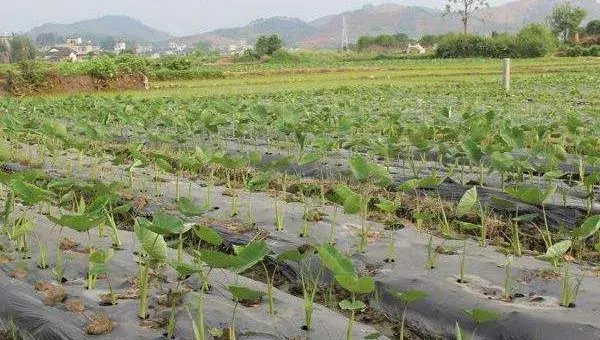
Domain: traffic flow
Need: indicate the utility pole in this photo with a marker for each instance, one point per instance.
(345, 40)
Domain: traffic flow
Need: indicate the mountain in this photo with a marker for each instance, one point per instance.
(117, 26)
(289, 29)
(389, 18)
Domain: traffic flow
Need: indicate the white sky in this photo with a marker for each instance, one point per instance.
(179, 17)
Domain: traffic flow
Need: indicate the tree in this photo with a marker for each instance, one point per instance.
(267, 45)
(535, 40)
(21, 49)
(464, 8)
(593, 27)
(48, 39)
(565, 19)
(108, 44)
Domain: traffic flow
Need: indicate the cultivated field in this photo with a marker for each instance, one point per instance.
(411, 199)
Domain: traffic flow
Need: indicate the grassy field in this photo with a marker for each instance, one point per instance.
(409, 73)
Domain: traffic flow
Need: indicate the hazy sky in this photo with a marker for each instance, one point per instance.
(178, 17)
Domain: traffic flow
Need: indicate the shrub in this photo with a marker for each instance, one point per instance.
(532, 41)
(535, 40)
(131, 64)
(102, 68)
(175, 63)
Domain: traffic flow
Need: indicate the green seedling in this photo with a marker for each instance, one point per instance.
(153, 252)
(432, 255)
(345, 275)
(390, 208)
(98, 265)
(507, 282)
(480, 317)
(291, 255)
(241, 294)
(408, 298)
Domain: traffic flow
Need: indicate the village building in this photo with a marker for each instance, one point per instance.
(61, 53)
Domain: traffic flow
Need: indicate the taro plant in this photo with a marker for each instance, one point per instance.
(535, 196)
(408, 298)
(355, 203)
(480, 317)
(99, 265)
(556, 253)
(241, 295)
(390, 208)
(153, 253)
(293, 255)
(507, 281)
(346, 276)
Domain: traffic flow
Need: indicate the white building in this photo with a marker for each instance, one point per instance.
(120, 46)
(144, 49)
(176, 47)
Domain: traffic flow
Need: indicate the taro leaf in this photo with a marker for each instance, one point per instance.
(250, 255)
(558, 249)
(423, 183)
(481, 316)
(123, 208)
(335, 261)
(242, 293)
(502, 161)
(165, 224)
(310, 158)
(411, 296)
(102, 256)
(467, 202)
(290, 255)
(466, 226)
(349, 305)
(188, 208)
(411, 184)
(98, 269)
(153, 244)
(525, 218)
(209, 235)
(31, 194)
(386, 206)
(259, 182)
(163, 164)
(472, 150)
(351, 283)
(554, 174)
(215, 259)
(136, 164)
(342, 192)
(80, 223)
(98, 204)
(353, 204)
(61, 184)
(588, 228)
(531, 194)
(186, 269)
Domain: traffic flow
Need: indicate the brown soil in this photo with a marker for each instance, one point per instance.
(68, 243)
(75, 305)
(53, 294)
(101, 324)
(56, 83)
